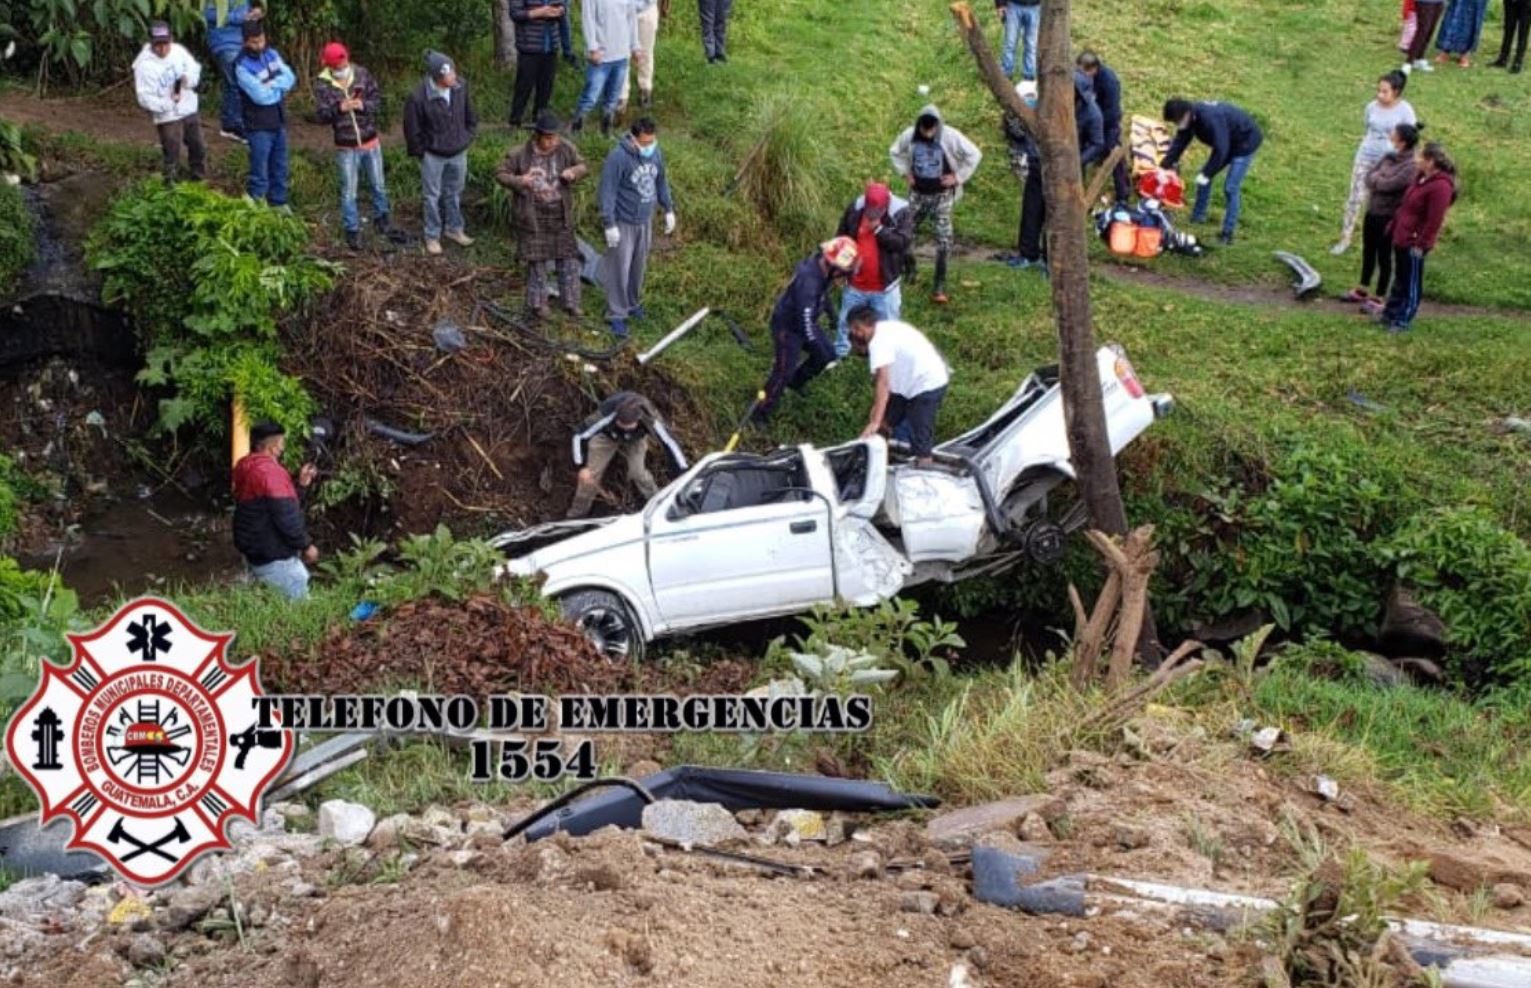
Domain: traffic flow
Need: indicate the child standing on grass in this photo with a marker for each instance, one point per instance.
(1386, 182)
(1382, 114)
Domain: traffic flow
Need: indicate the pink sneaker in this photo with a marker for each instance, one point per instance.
(1372, 307)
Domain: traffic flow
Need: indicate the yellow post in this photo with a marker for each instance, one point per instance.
(239, 429)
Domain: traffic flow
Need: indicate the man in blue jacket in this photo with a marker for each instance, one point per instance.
(1108, 96)
(796, 322)
(264, 82)
(1233, 136)
(225, 39)
(633, 181)
(1089, 126)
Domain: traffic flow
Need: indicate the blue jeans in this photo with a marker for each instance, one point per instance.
(441, 182)
(1233, 186)
(889, 303)
(603, 87)
(268, 166)
(1018, 19)
(351, 162)
(288, 577)
(231, 112)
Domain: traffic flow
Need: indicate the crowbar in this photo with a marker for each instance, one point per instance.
(733, 440)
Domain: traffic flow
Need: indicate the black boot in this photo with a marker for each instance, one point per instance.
(353, 239)
(938, 281)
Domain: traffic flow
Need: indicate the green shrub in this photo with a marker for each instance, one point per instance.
(1297, 545)
(17, 247)
(1476, 575)
(207, 278)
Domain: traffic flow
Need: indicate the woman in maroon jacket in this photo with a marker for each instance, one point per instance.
(1415, 227)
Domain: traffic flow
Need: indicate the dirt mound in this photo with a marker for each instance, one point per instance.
(480, 646)
(499, 411)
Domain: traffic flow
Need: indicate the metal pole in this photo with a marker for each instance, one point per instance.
(674, 334)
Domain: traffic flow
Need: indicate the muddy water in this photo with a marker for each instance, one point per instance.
(128, 547)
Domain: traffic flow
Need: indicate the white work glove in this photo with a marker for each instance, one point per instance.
(1203, 180)
(669, 223)
(613, 237)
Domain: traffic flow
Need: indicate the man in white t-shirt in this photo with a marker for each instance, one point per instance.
(909, 378)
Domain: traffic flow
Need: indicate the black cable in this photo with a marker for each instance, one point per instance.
(518, 323)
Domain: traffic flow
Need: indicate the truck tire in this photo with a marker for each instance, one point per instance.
(607, 621)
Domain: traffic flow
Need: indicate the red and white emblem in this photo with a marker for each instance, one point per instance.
(148, 741)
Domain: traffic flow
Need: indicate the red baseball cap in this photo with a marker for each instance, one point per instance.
(334, 53)
(878, 196)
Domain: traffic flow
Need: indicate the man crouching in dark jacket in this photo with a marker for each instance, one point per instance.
(268, 518)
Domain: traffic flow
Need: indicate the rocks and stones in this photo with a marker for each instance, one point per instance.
(866, 865)
(1410, 628)
(1508, 895)
(792, 827)
(1380, 672)
(145, 950)
(1269, 740)
(185, 906)
(921, 902)
(958, 828)
(293, 814)
(1034, 829)
(1000, 878)
(348, 824)
(387, 832)
(40, 896)
(1468, 875)
(1128, 837)
(691, 823)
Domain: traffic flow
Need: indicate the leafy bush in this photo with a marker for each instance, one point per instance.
(96, 39)
(14, 157)
(206, 278)
(1476, 575)
(35, 611)
(1300, 548)
(892, 631)
(16, 244)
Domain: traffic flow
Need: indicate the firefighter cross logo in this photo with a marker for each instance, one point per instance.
(147, 741)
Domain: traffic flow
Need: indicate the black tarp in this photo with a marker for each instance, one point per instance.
(735, 789)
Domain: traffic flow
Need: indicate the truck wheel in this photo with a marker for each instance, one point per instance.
(605, 620)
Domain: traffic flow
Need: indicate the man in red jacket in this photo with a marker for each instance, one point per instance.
(268, 516)
(1415, 228)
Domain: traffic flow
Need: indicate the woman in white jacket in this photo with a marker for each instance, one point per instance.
(166, 76)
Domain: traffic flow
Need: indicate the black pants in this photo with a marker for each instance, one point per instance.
(533, 71)
(920, 412)
(714, 17)
(1376, 252)
(1033, 217)
(1517, 22)
(187, 130)
(787, 372)
(1426, 17)
(1119, 180)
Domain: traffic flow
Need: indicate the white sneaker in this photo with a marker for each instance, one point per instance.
(459, 238)
(432, 247)
(1424, 65)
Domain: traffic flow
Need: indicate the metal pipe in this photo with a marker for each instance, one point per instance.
(673, 335)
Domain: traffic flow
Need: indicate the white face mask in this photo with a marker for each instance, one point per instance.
(342, 75)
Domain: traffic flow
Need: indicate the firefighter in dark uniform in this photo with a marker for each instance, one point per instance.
(622, 424)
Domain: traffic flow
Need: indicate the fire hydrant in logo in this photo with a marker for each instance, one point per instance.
(147, 741)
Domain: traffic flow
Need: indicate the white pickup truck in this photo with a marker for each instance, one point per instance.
(742, 536)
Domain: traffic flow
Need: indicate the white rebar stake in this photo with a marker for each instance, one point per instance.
(674, 334)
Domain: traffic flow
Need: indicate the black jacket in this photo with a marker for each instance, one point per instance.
(353, 128)
(1088, 122)
(1226, 129)
(1108, 96)
(650, 423)
(537, 37)
(894, 238)
(434, 125)
(805, 300)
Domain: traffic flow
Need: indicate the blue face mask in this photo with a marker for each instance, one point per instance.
(649, 150)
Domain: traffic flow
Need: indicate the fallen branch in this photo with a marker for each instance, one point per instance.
(1106, 168)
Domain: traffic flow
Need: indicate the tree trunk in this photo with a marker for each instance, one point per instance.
(504, 36)
(1068, 261)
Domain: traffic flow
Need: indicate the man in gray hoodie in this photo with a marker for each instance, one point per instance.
(632, 181)
(936, 162)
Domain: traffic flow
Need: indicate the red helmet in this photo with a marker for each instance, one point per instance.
(1164, 185)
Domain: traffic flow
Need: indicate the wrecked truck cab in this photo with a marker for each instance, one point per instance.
(743, 536)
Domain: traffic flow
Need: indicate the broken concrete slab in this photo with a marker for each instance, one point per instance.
(686, 822)
(959, 828)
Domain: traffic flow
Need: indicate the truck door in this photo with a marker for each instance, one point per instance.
(738, 541)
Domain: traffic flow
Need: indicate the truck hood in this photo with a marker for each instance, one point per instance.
(558, 542)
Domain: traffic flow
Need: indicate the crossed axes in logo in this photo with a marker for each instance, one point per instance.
(119, 833)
